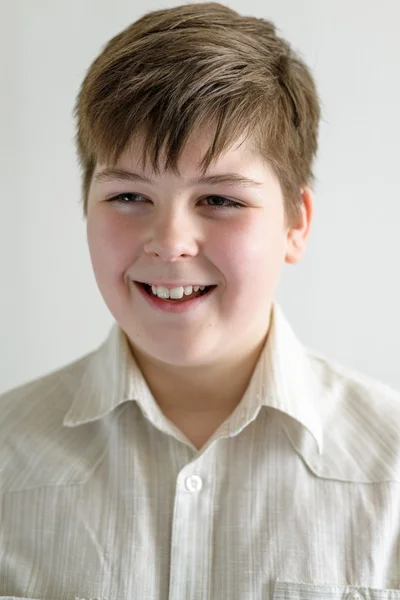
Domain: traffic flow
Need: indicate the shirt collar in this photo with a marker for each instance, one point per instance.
(283, 380)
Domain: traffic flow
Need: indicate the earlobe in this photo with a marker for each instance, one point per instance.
(298, 235)
(295, 254)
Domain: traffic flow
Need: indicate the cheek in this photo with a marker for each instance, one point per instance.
(246, 250)
(110, 243)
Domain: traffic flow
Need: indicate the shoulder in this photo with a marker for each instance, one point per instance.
(52, 392)
(34, 445)
(361, 423)
(355, 390)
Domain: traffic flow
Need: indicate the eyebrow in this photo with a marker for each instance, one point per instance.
(223, 178)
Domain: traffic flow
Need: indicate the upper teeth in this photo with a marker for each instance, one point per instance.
(178, 292)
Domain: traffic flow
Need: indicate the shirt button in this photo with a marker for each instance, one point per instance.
(193, 483)
(355, 596)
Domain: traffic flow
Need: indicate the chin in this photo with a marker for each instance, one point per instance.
(176, 354)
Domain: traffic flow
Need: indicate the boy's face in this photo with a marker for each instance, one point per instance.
(173, 234)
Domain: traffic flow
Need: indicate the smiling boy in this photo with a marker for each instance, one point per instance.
(202, 451)
(198, 354)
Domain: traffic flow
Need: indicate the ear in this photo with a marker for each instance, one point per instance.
(298, 234)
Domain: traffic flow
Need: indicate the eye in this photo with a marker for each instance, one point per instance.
(131, 198)
(120, 198)
(228, 203)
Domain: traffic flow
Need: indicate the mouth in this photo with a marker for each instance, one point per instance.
(148, 290)
(188, 305)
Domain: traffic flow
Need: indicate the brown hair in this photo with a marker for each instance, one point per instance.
(178, 69)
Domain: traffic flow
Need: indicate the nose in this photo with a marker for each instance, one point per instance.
(172, 236)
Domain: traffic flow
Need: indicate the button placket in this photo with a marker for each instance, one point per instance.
(192, 529)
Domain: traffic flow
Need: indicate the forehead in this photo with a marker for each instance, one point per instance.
(240, 162)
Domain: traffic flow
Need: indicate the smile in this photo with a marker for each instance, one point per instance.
(185, 303)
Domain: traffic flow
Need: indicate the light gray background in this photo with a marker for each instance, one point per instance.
(342, 300)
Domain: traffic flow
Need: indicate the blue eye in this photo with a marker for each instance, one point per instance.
(226, 202)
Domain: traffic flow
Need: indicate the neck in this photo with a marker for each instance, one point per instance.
(198, 401)
(214, 388)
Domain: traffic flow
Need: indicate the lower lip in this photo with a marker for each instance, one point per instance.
(171, 307)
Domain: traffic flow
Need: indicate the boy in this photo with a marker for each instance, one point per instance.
(202, 452)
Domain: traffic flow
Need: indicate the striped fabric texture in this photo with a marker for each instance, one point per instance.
(296, 496)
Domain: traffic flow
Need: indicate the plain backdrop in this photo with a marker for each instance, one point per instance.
(342, 299)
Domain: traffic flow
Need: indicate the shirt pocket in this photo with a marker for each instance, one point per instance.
(292, 590)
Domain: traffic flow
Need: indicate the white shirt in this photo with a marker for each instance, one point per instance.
(295, 497)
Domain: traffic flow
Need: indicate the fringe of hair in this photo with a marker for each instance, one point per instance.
(175, 71)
